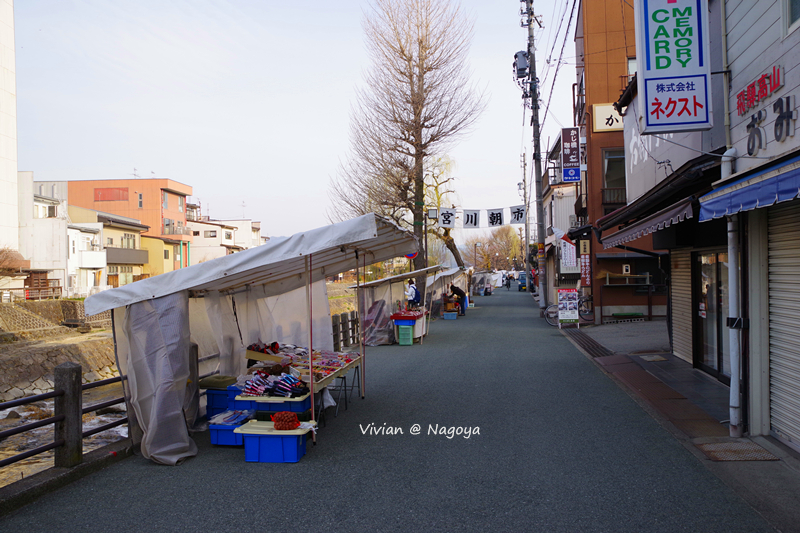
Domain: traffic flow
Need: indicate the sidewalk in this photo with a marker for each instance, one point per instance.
(693, 406)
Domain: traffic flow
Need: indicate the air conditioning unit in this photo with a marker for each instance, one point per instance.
(573, 221)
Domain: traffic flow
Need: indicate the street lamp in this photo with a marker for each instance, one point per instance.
(476, 255)
(433, 214)
(495, 260)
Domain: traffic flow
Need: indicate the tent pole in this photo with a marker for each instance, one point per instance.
(361, 333)
(310, 341)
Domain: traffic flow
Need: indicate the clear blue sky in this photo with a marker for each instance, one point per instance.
(246, 101)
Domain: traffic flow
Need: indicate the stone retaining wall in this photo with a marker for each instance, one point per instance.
(28, 369)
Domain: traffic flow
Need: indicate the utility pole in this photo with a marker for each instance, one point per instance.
(537, 153)
(525, 248)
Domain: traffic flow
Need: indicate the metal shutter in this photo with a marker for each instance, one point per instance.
(681, 294)
(784, 322)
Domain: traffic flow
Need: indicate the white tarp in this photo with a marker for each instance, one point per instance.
(224, 305)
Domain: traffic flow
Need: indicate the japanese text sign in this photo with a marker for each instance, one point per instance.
(673, 65)
(570, 154)
(472, 218)
(517, 214)
(447, 218)
(495, 217)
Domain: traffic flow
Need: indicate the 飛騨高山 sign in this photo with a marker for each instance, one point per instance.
(673, 65)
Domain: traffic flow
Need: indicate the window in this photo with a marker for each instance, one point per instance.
(210, 234)
(181, 203)
(111, 194)
(51, 211)
(631, 68)
(228, 235)
(614, 169)
(73, 246)
(129, 241)
(195, 234)
(140, 200)
(166, 254)
(164, 200)
(113, 269)
(110, 241)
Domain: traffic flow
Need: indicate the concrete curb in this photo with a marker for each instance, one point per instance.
(28, 490)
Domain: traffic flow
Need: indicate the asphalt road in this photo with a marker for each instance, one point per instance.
(560, 447)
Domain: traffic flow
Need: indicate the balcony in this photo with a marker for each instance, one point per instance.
(614, 196)
(175, 230)
(92, 259)
(126, 256)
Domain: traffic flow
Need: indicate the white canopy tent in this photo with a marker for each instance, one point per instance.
(379, 299)
(274, 292)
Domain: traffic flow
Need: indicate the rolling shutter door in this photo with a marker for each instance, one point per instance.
(681, 294)
(784, 322)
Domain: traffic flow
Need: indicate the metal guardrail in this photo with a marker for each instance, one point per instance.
(68, 412)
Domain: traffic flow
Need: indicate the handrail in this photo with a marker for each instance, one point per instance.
(33, 425)
(31, 453)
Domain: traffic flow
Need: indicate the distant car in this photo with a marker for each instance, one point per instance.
(522, 282)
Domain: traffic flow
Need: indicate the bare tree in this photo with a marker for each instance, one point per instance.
(10, 262)
(416, 102)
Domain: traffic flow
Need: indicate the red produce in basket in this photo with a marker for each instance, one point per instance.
(285, 421)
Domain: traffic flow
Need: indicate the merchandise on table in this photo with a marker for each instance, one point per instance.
(282, 359)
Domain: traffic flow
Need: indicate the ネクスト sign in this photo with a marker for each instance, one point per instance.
(673, 65)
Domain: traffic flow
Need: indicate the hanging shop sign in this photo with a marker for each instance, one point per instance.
(472, 218)
(673, 65)
(567, 306)
(570, 154)
(606, 118)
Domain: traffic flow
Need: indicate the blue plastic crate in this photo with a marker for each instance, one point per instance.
(295, 406)
(274, 448)
(408, 322)
(216, 402)
(233, 392)
(223, 435)
(450, 316)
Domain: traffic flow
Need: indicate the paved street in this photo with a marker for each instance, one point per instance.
(560, 448)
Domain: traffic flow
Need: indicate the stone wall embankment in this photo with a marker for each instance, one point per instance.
(27, 369)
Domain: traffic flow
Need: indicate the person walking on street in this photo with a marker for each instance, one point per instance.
(412, 295)
(455, 292)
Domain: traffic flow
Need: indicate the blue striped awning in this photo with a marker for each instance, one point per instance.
(765, 188)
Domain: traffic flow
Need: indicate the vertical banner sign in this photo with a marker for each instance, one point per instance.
(586, 265)
(567, 306)
(517, 214)
(570, 154)
(568, 256)
(447, 218)
(472, 218)
(673, 65)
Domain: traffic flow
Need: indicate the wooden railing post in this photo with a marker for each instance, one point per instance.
(68, 379)
(345, 325)
(354, 327)
(337, 334)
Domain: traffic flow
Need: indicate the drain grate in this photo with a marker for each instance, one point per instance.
(594, 348)
(736, 451)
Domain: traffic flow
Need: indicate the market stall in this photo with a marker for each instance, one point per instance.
(274, 292)
(384, 297)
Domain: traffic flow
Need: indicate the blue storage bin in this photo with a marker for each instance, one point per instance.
(450, 316)
(405, 322)
(274, 448)
(233, 392)
(223, 435)
(216, 402)
(295, 406)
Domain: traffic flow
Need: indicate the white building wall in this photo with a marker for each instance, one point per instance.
(9, 235)
(758, 39)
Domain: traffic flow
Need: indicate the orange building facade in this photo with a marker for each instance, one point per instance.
(158, 202)
(605, 47)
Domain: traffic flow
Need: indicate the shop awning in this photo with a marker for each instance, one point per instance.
(279, 265)
(763, 189)
(663, 219)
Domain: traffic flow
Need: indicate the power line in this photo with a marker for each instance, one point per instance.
(558, 66)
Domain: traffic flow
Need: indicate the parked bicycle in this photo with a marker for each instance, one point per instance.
(585, 311)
